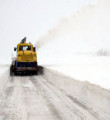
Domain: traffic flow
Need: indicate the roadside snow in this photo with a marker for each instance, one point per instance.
(3, 68)
(94, 69)
(4, 76)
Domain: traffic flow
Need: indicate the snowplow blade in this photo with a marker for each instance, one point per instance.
(26, 70)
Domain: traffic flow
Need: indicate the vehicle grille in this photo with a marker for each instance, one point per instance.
(27, 58)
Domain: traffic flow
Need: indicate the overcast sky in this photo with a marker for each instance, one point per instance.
(31, 18)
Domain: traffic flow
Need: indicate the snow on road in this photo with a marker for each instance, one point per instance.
(52, 96)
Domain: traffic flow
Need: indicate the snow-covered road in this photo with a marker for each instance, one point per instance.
(52, 96)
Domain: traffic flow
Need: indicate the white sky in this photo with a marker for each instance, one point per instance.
(19, 18)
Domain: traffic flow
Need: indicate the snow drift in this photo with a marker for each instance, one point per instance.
(90, 96)
(4, 77)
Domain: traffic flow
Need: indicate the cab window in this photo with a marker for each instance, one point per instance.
(24, 48)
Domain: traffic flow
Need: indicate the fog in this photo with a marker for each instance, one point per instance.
(31, 19)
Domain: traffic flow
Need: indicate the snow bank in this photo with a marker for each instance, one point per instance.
(3, 69)
(94, 69)
(4, 76)
(90, 95)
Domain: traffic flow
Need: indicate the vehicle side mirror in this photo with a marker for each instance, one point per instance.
(34, 49)
(15, 48)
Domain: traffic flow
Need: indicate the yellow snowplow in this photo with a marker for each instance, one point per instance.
(26, 59)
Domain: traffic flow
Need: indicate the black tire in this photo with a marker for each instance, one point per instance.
(11, 71)
(35, 72)
(15, 73)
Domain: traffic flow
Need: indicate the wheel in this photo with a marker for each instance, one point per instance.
(15, 72)
(11, 71)
(35, 72)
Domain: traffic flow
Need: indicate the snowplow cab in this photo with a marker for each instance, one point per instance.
(26, 58)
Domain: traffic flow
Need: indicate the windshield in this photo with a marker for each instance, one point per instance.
(24, 48)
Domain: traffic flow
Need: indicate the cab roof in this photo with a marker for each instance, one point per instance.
(24, 44)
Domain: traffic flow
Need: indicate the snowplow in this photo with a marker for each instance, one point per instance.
(25, 60)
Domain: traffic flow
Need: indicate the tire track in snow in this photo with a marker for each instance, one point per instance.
(23, 101)
(10, 108)
(34, 106)
(72, 110)
(4, 100)
(37, 97)
(50, 105)
(99, 115)
(38, 106)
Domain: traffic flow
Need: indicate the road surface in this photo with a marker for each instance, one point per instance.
(40, 98)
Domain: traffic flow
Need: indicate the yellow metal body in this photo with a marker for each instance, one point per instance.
(25, 55)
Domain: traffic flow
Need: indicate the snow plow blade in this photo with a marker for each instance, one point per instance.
(26, 71)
